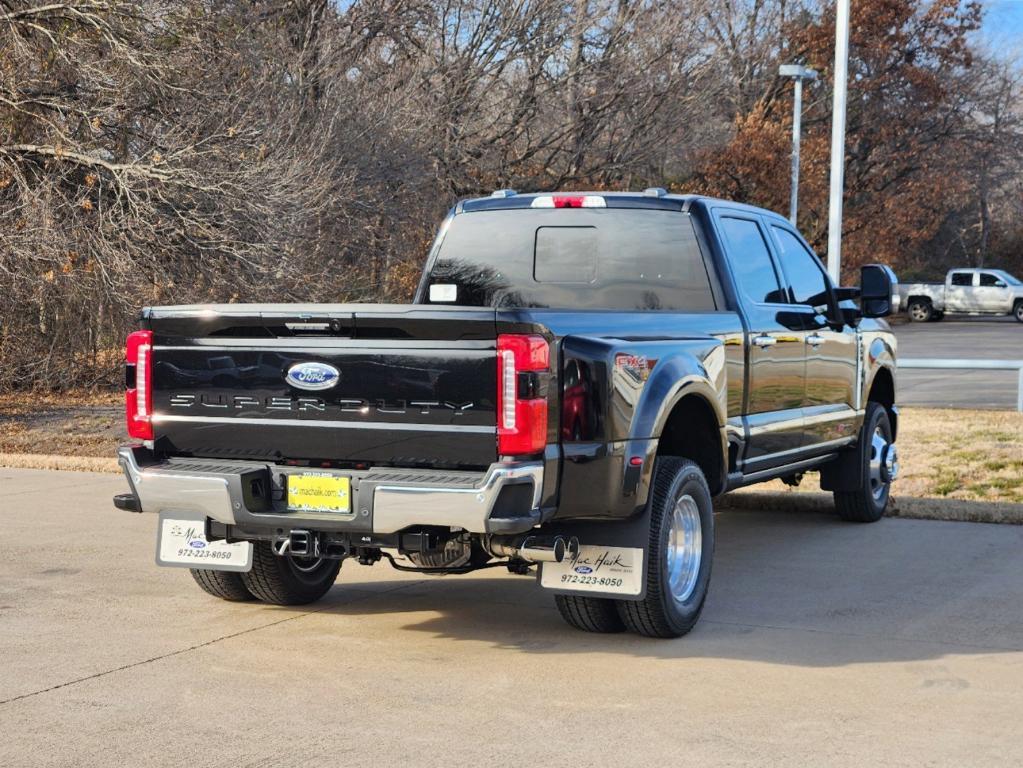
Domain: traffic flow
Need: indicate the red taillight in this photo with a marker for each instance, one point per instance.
(138, 396)
(521, 415)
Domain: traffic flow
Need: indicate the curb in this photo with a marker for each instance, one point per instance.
(953, 510)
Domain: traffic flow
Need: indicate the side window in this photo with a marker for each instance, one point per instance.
(991, 280)
(751, 261)
(962, 278)
(803, 270)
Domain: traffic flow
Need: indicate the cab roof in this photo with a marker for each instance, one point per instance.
(655, 198)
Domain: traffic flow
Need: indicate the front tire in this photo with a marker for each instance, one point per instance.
(227, 585)
(880, 466)
(679, 552)
(920, 311)
(1017, 311)
(287, 580)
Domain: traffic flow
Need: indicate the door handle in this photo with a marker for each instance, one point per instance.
(763, 340)
(814, 339)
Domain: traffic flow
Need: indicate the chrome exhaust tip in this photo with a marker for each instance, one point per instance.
(534, 549)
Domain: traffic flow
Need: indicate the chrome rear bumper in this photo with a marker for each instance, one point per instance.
(504, 499)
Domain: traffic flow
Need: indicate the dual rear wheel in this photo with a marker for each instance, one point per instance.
(277, 580)
(678, 564)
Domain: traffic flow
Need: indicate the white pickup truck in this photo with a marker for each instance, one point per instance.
(964, 292)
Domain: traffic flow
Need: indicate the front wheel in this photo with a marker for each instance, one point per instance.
(1017, 311)
(679, 552)
(288, 580)
(880, 465)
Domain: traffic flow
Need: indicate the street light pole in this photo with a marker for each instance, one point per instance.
(838, 140)
(797, 125)
(798, 73)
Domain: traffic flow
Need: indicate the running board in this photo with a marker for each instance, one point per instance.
(738, 480)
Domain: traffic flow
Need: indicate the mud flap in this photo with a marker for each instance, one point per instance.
(611, 562)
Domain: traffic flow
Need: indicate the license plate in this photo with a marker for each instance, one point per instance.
(319, 492)
(181, 542)
(610, 570)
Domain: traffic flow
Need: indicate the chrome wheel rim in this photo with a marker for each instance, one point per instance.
(918, 312)
(684, 548)
(884, 464)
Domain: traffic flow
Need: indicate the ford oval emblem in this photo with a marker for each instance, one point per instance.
(583, 569)
(313, 376)
(197, 544)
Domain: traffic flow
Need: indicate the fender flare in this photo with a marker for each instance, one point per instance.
(673, 380)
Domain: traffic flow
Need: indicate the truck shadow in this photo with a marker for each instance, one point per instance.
(799, 588)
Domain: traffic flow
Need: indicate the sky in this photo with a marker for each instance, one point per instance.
(1003, 24)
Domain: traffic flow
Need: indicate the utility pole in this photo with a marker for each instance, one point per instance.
(799, 73)
(838, 140)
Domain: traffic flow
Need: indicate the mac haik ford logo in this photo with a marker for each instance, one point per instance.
(312, 376)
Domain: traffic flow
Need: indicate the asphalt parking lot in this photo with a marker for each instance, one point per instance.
(822, 643)
(960, 338)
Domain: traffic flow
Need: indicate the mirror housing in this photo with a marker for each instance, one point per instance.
(877, 288)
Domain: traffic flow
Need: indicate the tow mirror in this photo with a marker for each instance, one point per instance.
(877, 286)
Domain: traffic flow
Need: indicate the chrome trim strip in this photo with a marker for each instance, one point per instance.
(860, 383)
(350, 345)
(160, 418)
(774, 421)
(811, 452)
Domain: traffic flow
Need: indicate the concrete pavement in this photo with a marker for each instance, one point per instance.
(822, 643)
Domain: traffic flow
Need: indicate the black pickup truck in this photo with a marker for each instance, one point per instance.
(578, 376)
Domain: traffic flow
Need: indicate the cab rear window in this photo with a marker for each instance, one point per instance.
(624, 259)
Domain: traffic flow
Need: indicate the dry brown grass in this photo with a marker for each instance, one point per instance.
(944, 453)
(76, 424)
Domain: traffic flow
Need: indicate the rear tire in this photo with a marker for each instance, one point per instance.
(1017, 311)
(590, 614)
(227, 585)
(919, 310)
(679, 552)
(868, 503)
(288, 580)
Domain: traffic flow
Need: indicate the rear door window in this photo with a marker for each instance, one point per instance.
(751, 261)
(962, 278)
(611, 258)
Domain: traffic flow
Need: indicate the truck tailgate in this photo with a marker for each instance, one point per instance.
(414, 385)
